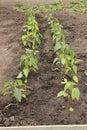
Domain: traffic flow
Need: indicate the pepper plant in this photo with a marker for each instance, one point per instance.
(28, 61)
(65, 60)
(31, 37)
(16, 89)
(31, 41)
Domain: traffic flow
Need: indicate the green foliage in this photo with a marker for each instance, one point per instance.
(49, 7)
(31, 38)
(65, 58)
(31, 41)
(17, 94)
(62, 93)
(28, 61)
(19, 8)
(15, 89)
(75, 93)
(39, 8)
(69, 86)
(79, 6)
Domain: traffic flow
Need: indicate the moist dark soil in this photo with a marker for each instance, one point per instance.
(42, 106)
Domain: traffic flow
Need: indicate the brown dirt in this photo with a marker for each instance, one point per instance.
(42, 107)
(11, 26)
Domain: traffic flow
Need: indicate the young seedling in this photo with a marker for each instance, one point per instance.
(29, 62)
(15, 89)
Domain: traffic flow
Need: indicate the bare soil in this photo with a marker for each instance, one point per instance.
(42, 107)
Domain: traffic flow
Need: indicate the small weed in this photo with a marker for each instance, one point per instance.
(49, 7)
(80, 6)
(21, 8)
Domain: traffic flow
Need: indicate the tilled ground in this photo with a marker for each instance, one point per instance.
(42, 107)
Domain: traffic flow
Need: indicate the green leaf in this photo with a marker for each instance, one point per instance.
(85, 72)
(8, 106)
(20, 75)
(75, 93)
(75, 78)
(67, 70)
(57, 47)
(6, 84)
(55, 60)
(22, 90)
(78, 60)
(23, 57)
(62, 93)
(62, 55)
(26, 72)
(71, 109)
(75, 69)
(64, 81)
(20, 83)
(68, 86)
(7, 92)
(55, 69)
(68, 57)
(25, 81)
(23, 95)
(63, 61)
(17, 94)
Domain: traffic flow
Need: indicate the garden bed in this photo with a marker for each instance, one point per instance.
(42, 106)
